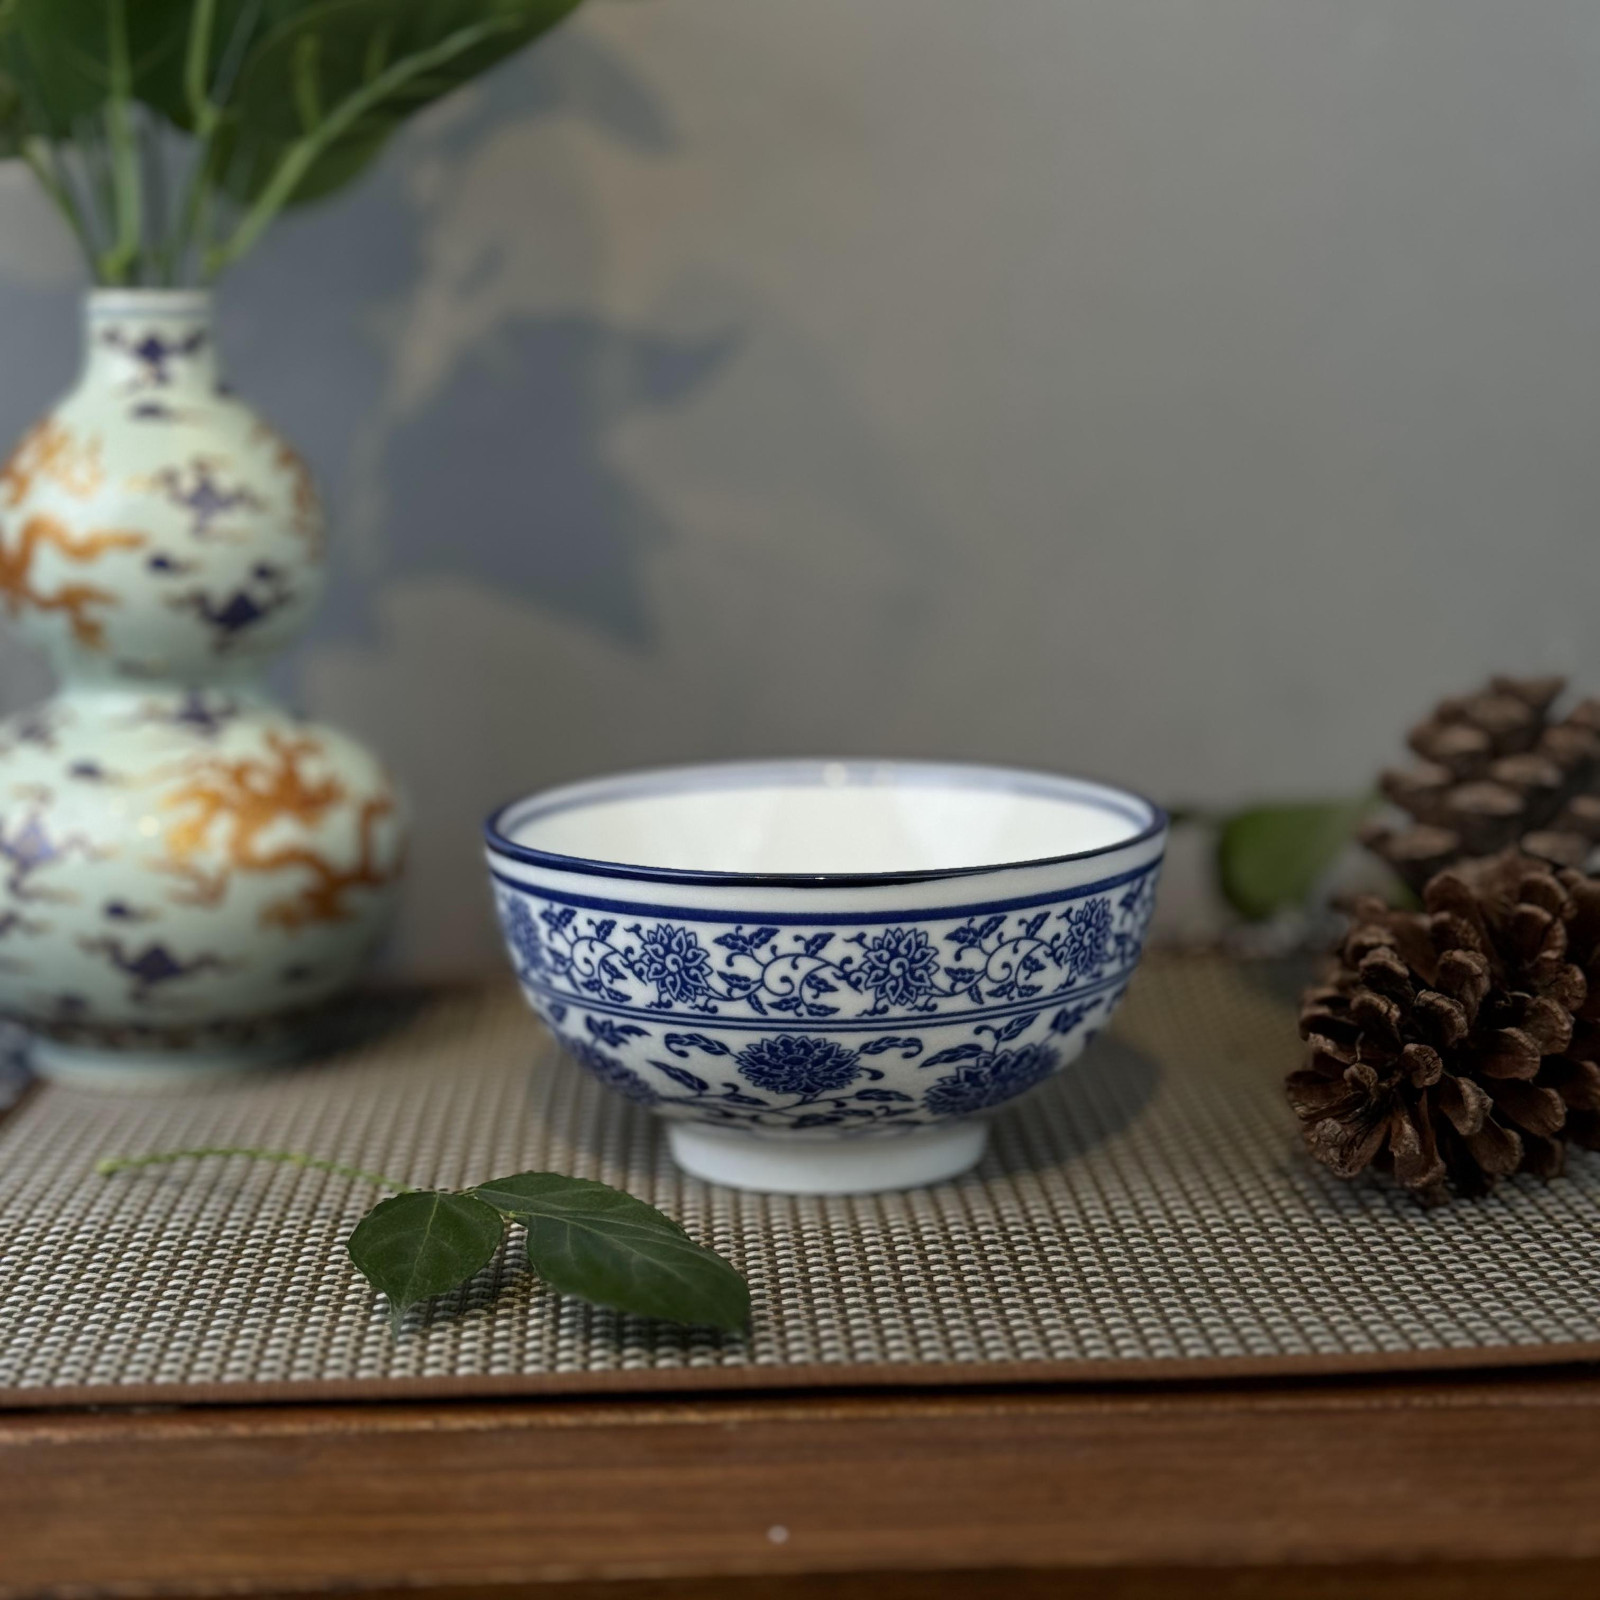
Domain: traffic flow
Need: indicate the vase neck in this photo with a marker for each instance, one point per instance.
(155, 341)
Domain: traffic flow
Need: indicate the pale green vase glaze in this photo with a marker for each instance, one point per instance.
(184, 865)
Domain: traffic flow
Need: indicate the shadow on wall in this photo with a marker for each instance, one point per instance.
(565, 527)
(431, 341)
(461, 426)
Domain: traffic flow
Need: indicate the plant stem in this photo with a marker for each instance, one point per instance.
(196, 209)
(204, 115)
(41, 162)
(158, 227)
(291, 1158)
(206, 101)
(304, 153)
(88, 139)
(117, 262)
(197, 57)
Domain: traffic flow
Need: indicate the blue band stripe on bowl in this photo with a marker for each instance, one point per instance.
(928, 1021)
(635, 908)
(1135, 809)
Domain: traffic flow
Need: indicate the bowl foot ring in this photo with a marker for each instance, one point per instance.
(833, 1166)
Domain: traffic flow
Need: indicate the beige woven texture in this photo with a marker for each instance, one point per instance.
(1150, 1206)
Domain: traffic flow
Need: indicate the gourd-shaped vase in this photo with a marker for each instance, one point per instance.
(186, 868)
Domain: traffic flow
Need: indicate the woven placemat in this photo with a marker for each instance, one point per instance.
(1146, 1215)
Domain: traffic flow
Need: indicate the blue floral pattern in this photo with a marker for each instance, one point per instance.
(941, 969)
(794, 1064)
(1089, 939)
(671, 958)
(522, 934)
(990, 1079)
(900, 967)
(611, 1072)
(838, 1028)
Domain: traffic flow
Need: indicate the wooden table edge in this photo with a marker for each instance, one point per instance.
(1480, 1476)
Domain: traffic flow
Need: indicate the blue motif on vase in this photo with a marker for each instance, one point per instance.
(671, 958)
(793, 1064)
(153, 353)
(900, 966)
(199, 713)
(990, 1080)
(611, 1072)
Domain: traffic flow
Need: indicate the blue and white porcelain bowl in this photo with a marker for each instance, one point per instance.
(826, 974)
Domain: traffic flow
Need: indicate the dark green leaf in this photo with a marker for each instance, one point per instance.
(422, 1244)
(1270, 858)
(12, 128)
(58, 53)
(237, 27)
(590, 1240)
(321, 56)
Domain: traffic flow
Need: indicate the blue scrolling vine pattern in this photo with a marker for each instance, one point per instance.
(1028, 988)
(752, 970)
(807, 1082)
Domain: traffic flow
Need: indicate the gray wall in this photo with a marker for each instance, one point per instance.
(1183, 391)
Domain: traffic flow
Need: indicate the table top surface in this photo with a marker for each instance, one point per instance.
(1138, 1480)
(1147, 1215)
(1485, 1485)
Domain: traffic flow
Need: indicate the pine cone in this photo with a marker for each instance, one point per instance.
(1458, 1044)
(1496, 771)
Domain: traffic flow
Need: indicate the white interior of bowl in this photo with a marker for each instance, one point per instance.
(828, 817)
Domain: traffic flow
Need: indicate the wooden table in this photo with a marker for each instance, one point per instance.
(1455, 1486)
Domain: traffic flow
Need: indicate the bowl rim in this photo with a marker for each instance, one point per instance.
(653, 779)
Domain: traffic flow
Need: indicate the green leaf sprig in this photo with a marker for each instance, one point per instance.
(171, 133)
(1271, 857)
(582, 1238)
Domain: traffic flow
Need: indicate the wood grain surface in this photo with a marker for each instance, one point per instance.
(1539, 1580)
(1426, 1488)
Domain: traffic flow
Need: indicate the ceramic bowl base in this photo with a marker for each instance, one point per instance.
(153, 1071)
(834, 1166)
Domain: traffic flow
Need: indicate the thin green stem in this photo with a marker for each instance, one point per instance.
(307, 150)
(41, 162)
(123, 256)
(290, 1158)
(157, 228)
(197, 58)
(196, 208)
(88, 140)
(206, 109)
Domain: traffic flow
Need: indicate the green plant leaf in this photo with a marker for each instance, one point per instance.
(222, 33)
(12, 128)
(588, 1239)
(1270, 858)
(381, 60)
(59, 54)
(423, 1243)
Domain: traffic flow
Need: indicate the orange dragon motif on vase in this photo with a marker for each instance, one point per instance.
(19, 591)
(207, 866)
(226, 806)
(49, 451)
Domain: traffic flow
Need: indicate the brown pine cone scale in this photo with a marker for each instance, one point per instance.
(1495, 772)
(1459, 1044)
